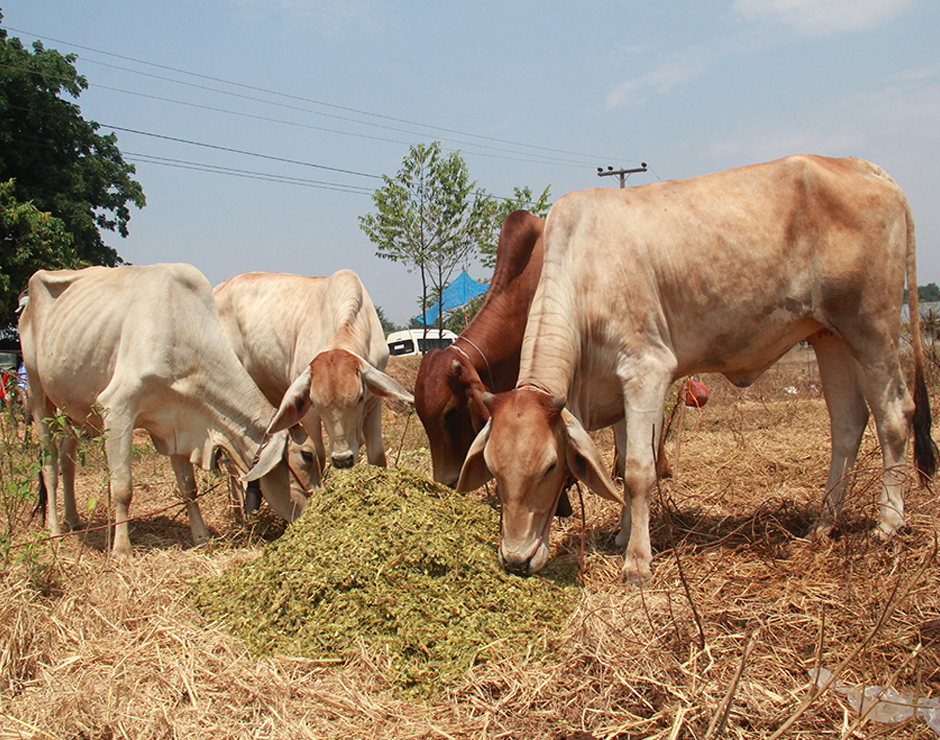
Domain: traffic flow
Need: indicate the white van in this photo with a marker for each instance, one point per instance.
(412, 341)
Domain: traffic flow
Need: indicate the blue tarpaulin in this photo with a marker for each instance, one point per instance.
(459, 292)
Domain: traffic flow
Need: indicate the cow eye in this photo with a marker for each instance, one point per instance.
(307, 455)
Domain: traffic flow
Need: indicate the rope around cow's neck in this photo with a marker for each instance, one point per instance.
(489, 370)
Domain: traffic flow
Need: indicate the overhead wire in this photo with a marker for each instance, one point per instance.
(543, 159)
(303, 99)
(248, 174)
(216, 169)
(217, 147)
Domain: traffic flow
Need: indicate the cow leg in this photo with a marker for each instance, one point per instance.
(372, 429)
(848, 417)
(68, 447)
(42, 411)
(186, 481)
(118, 450)
(893, 410)
(644, 400)
(663, 469)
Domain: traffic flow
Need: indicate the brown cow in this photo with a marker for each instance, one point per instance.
(485, 357)
(721, 273)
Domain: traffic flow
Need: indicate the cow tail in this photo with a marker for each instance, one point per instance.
(925, 449)
(43, 502)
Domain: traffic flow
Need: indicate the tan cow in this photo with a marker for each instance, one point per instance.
(316, 348)
(118, 349)
(722, 273)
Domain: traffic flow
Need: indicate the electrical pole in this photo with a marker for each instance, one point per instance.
(622, 173)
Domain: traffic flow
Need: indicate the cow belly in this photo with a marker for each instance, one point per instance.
(743, 356)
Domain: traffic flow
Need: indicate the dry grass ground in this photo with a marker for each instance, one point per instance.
(723, 641)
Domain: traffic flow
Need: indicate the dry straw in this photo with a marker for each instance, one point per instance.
(723, 642)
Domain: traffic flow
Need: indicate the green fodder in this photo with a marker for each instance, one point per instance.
(402, 564)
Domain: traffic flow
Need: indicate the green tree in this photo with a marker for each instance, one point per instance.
(430, 216)
(928, 293)
(31, 240)
(521, 199)
(58, 160)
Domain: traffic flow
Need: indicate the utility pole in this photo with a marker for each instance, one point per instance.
(622, 173)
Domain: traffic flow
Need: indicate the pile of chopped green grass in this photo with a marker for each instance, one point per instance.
(406, 565)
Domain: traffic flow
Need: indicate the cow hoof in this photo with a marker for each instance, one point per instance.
(886, 532)
(635, 572)
(822, 532)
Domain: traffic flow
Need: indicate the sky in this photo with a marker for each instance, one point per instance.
(261, 128)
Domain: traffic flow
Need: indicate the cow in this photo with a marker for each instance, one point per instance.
(124, 348)
(485, 357)
(722, 273)
(316, 349)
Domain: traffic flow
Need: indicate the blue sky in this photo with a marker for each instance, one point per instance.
(532, 94)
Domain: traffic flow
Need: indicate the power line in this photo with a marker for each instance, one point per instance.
(543, 159)
(209, 146)
(233, 172)
(305, 100)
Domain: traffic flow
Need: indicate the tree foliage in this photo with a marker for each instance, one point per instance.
(57, 159)
(521, 199)
(31, 240)
(433, 218)
(929, 293)
(429, 216)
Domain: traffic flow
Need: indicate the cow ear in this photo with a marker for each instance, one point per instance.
(584, 461)
(383, 385)
(295, 404)
(269, 455)
(474, 472)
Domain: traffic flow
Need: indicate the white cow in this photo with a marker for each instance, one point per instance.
(722, 273)
(316, 348)
(142, 347)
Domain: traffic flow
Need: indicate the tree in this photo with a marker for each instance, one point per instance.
(929, 293)
(430, 216)
(30, 240)
(521, 198)
(56, 158)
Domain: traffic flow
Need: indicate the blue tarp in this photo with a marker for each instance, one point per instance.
(459, 292)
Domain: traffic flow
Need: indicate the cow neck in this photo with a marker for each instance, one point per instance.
(489, 370)
(241, 414)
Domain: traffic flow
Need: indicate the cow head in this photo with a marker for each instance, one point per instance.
(449, 402)
(341, 388)
(530, 445)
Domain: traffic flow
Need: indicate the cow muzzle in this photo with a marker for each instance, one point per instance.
(524, 564)
(346, 460)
